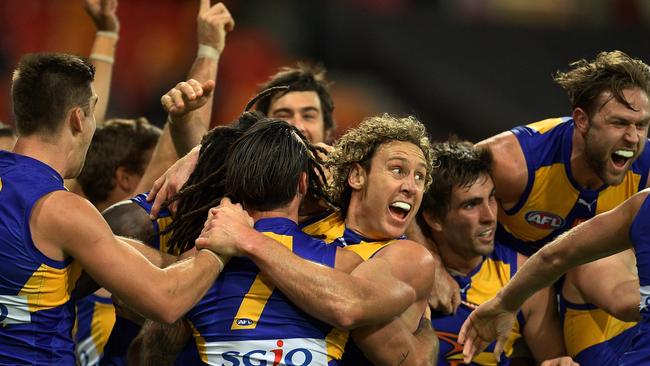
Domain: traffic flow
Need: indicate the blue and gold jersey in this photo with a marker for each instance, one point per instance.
(332, 229)
(243, 319)
(36, 310)
(640, 237)
(553, 202)
(95, 319)
(479, 286)
(124, 330)
(592, 336)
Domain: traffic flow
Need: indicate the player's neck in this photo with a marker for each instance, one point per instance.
(289, 211)
(50, 152)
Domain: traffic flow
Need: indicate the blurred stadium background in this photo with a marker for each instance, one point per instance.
(468, 67)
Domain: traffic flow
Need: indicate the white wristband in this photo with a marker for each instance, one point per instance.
(103, 58)
(108, 34)
(216, 256)
(206, 51)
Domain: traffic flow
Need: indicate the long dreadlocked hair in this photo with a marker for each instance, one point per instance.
(258, 149)
(205, 186)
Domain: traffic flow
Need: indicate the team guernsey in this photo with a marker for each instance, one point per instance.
(36, 306)
(479, 286)
(95, 319)
(124, 330)
(244, 320)
(637, 350)
(332, 229)
(553, 202)
(592, 336)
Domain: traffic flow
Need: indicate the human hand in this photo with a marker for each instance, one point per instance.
(485, 324)
(445, 296)
(185, 97)
(212, 25)
(224, 229)
(560, 361)
(166, 187)
(104, 14)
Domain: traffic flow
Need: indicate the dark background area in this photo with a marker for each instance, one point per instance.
(468, 67)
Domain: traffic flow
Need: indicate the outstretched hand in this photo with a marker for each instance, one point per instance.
(213, 23)
(485, 324)
(104, 14)
(223, 230)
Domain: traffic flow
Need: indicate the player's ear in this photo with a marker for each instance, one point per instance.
(581, 120)
(357, 176)
(434, 223)
(303, 184)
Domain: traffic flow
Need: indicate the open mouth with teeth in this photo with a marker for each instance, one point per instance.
(400, 209)
(621, 156)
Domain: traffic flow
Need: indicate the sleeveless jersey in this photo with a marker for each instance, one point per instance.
(95, 319)
(36, 309)
(332, 229)
(244, 320)
(592, 336)
(553, 202)
(637, 346)
(124, 330)
(479, 286)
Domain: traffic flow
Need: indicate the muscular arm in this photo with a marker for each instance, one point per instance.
(159, 344)
(370, 294)
(394, 344)
(163, 295)
(542, 331)
(445, 296)
(603, 235)
(617, 289)
(509, 169)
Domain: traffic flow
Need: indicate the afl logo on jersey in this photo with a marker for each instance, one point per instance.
(544, 220)
(244, 322)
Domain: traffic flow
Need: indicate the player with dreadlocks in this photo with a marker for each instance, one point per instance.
(385, 164)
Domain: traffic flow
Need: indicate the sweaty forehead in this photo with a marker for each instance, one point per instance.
(400, 150)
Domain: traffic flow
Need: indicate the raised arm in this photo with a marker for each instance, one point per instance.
(603, 235)
(213, 23)
(104, 15)
(163, 295)
(371, 293)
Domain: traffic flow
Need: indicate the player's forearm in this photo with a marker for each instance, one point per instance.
(163, 157)
(393, 344)
(186, 282)
(330, 295)
(156, 257)
(102, 56)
